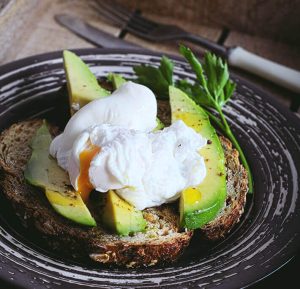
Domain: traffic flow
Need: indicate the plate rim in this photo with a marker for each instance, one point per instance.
(96, 51)
(142, 51)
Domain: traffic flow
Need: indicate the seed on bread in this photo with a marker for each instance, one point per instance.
(237, 188)
(162, 242)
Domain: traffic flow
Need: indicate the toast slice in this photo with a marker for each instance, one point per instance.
(237, 188)
(237, 185)
(162, 242)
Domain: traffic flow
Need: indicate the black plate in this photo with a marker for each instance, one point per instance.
(265, 239)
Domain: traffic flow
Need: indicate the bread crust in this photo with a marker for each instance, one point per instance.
(237, 188)
(163, 242)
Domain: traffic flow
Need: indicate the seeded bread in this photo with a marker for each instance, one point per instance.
(237, 185)
(237, 188)
(162, 242)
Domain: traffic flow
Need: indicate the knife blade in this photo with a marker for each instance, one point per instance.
(93, 34)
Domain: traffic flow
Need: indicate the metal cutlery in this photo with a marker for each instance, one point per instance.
(236, 56)
(93, 34)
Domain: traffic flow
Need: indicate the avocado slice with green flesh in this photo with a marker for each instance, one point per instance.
(116, 79)
(121, 217)
(42, 171)
(160, 125)
(199, 205)
(83, 86)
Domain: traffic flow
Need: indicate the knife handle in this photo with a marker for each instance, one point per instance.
(277, 73)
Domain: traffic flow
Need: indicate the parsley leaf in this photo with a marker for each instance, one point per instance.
(213, 86)
(157, 79)
(212, 89)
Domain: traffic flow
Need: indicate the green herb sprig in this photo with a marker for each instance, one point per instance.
(157, 79)
(211, 90)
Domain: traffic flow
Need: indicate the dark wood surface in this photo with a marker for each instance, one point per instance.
(274, 19)
(28, 28)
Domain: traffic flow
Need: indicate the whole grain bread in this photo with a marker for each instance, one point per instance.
(162, 242)
(237, 188)
(237, 185)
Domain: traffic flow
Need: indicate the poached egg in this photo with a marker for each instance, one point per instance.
(131, 106)
(108, 144)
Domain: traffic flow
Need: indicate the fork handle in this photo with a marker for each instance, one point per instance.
(208, 44)
(275, 72)
(246, 60)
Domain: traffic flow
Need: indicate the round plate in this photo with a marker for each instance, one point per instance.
(266, 238)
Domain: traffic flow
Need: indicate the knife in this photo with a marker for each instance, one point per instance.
(93, 34)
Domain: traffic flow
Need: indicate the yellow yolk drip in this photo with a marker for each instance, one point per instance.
(85, 158)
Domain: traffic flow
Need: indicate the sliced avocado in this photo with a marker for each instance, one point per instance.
(42, 171)
(121, 217)
(200, 204)
(116, 79)
(160, 125)
(83, 86)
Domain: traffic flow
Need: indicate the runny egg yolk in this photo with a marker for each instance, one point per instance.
(85, 158)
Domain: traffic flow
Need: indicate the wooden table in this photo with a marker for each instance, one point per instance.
(28, 28)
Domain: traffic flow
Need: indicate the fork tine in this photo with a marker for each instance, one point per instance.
(144, 21)
(134, 16)
(119, 8)
(113, 19)
(135, 21)
(108, 9)
(136, 29)
(140, 25)
(134, 26)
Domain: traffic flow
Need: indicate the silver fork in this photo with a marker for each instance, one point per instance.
(236, 56)
(153, 31)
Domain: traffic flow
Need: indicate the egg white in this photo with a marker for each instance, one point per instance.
(145, 168)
